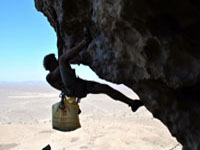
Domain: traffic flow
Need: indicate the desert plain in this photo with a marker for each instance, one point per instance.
(106, 124)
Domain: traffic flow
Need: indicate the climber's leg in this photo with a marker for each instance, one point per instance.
(98, 88)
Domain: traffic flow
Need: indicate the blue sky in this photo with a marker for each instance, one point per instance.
(25, 38)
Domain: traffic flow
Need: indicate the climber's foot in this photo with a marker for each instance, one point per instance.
(135, 105)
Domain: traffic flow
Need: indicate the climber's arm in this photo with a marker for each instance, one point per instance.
(97, 88)
(71, 53)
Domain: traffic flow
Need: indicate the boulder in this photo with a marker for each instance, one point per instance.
(151, 46)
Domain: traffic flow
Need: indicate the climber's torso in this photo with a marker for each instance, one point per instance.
(70, 85)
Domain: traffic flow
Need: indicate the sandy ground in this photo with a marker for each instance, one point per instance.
(25, 123)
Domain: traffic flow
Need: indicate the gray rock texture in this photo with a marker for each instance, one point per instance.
(151, 46)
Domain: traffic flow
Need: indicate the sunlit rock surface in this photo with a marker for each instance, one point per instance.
(151, 46)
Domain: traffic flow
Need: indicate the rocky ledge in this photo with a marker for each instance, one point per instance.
(151, 46)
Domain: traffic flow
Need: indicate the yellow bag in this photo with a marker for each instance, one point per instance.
(66, 119)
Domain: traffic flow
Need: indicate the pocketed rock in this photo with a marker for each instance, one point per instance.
(150, 46)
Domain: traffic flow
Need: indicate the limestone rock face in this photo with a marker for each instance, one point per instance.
(151, 46)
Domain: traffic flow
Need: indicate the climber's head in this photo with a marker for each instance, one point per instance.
(50, 62)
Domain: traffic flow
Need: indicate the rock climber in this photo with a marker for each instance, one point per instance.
(62, 77)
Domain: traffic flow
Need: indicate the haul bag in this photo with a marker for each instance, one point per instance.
(65, 115)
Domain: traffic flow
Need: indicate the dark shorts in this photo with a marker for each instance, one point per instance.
(73, 86)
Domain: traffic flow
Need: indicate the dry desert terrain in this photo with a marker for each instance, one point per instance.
(25, 122)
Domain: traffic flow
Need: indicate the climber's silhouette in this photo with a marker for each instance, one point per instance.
(62, 77)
